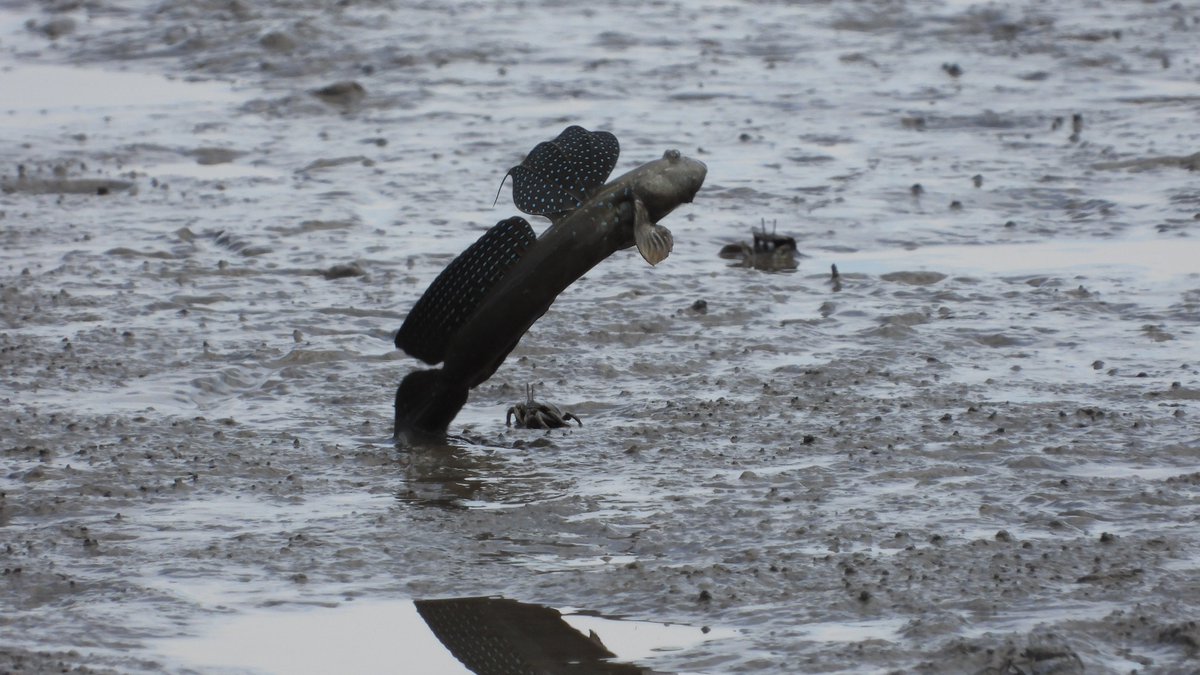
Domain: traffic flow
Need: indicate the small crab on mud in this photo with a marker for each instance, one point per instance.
(534, 415)
(770, 252)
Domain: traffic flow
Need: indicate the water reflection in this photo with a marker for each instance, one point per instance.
(446, 475)
(498, 636)
(459, 474)
(480, 635)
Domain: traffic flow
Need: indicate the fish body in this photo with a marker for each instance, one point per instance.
(566, 251)
(512, 282)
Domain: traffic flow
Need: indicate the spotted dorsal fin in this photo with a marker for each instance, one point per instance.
(556, 175)
(455, 294)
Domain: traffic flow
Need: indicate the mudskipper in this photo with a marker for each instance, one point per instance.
(479, 307)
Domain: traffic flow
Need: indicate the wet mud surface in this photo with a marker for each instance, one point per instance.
(977, 450)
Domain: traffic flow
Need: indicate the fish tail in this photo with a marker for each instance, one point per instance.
(427, 402)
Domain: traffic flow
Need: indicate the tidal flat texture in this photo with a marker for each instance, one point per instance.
(975, 450)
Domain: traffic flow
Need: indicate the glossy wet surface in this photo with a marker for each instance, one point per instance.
(981, 450)
(460, 635)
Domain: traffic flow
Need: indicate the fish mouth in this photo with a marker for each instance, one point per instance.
(698, 172)
(699, 183)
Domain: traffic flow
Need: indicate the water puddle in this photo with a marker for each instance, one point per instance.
(465, 475)
(1154, 258)
(223, 171)
(485, 636)
(1125, 471)
(40, 88)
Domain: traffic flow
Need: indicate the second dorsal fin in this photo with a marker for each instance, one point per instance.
(556, 175)
(456, 293)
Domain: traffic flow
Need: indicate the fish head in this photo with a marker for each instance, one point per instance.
(666, 183)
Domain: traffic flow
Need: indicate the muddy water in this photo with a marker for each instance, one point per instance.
(979, 450)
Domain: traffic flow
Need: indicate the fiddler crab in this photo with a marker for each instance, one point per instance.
(770, 251)
(534, 415)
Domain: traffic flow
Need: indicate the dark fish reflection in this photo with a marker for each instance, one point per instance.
(498, 636)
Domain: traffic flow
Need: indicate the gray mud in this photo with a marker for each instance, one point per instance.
(978, 452)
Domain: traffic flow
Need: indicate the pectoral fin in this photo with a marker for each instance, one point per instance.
(654, 241)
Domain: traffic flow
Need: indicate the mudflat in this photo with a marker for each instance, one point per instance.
(977, 450)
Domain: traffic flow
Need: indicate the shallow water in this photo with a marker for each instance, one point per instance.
(978, 452)
(373, 636)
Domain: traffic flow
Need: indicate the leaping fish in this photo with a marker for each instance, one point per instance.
(477, 309)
